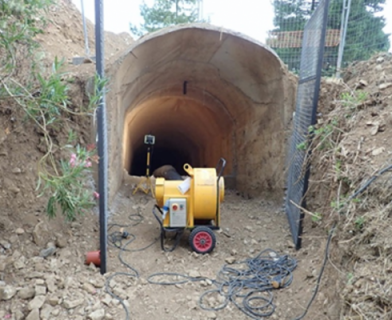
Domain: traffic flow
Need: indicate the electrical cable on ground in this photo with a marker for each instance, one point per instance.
(315, 291)
(107, 288)
(178, 233)
(367, 183)
(116, 239)
(251, 283)
(248, 286)
(354, 195)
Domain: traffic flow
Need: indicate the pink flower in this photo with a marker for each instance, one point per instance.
(72, 161)
(96, 195)
(88, 164)
(8, 316)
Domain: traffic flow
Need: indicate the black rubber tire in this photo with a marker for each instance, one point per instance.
(200, 234)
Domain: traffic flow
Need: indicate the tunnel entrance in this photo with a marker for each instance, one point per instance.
(185, 130)
(160, 155)
(205, 93)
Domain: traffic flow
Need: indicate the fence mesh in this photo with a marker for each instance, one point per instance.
(355, 31)
(314, 36)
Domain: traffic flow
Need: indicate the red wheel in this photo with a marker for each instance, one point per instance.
(202, 240)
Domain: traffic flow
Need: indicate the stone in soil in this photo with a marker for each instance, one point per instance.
(71, 304)
(40, 234)
(19, 231)
(230, 260)
(37, 302)
(97, 315)
(33, 315)
(47, 252)
(7, 292)
(26, 293)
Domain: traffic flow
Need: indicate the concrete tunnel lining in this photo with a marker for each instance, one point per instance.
(235, 105)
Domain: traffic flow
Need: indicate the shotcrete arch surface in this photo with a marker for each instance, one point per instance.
(205, 93)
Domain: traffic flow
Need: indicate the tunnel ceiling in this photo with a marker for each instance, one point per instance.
(216, 63)
(197, 87)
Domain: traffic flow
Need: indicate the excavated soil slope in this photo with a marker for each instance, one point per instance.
(61, 287)
(352, 147)
(21, 145)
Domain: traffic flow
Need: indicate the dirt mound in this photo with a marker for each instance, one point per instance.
(20, 142)
(25, 231)
(352, 147)
(64, 37)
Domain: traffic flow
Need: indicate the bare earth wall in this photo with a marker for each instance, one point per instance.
(205, 93)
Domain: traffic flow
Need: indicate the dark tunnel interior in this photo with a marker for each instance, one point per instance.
(206, 94)
(186, 130)
(160, 155)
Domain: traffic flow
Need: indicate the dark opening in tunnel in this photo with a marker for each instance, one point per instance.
(186, 131)
(217, 93)
(160, 155)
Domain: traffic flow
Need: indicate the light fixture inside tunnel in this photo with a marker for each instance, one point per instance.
(149, 139)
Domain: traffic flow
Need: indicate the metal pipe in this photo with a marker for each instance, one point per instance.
(340, 51)
(102, 135)
(85, 30)
(200, 10)
(313, 5)
(343, 33)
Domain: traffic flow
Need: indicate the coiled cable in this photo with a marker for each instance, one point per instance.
(248, 284)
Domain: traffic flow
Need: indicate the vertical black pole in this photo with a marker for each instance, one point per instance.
(102, 137)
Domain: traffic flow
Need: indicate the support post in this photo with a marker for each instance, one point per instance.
(85, 30)
(148, 162)
(343, 33)
(145, 183)
(102, 136)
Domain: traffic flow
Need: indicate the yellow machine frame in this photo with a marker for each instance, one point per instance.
(202, 191)
(201, 197)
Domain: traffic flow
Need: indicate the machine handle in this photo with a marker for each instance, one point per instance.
(221, 164)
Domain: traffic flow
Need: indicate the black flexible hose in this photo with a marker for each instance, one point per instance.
(116, 239)
(178, 232)
(107, 288)
(252, 282)
(354, 195)
(367, 184)
(315, 291)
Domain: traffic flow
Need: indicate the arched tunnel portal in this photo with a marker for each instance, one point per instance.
(204, 93)
(186, 131)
